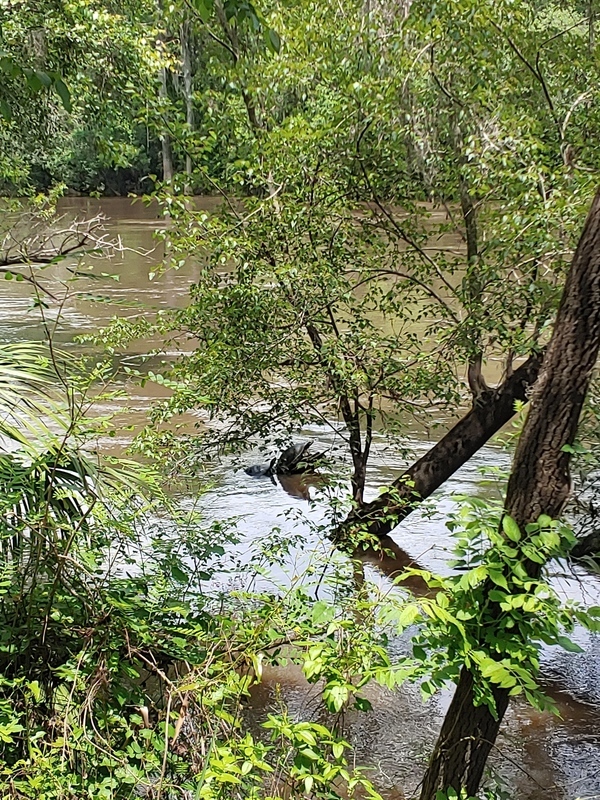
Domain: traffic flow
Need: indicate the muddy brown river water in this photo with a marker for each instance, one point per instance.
(538, 756)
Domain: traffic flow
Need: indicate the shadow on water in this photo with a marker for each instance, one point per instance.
(392, 561)
(299, 486)
(537, 755)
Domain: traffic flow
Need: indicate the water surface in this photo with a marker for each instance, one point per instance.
(538, 755)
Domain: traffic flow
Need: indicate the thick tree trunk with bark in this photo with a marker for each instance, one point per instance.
(488, 415)
(539, 484)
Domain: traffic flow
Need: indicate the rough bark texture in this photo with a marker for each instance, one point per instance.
(539, 483)
(489, 414)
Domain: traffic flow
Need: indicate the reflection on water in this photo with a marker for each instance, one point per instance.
(299, 485)
(540, 756)
(392, 561)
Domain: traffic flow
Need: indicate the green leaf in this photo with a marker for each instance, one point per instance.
(9, 66)
(335, 696)
(43, 78)
(272, 40)
(568, 644)
(322, 613)
(307, 737)
(427, 690)
(178, 574)
(420, 652)
(33, 81)
(409, 615)
(531, 553)
(63, 93)
(498, 578)
(449, 795)
(363, 704)
(510, 528)
(5, 110)
(338, 749)
(204, 8)
(34, 688)
(474, 577)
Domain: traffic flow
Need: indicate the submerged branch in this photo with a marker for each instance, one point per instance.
(35, 242)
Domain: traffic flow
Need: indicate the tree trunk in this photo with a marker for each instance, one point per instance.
(539, 484)
(186, 64)
(453, 450)
(165, 138)
(475, 379)
(351, 418)
(163, 94)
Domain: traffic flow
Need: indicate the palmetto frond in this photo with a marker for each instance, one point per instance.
(29, 402)
(49, 483)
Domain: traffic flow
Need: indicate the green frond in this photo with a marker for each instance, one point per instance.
(49, 483)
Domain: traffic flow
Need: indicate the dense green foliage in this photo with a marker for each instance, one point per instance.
(402, 185)
(319, 278)
(89, 134)
(117, 674)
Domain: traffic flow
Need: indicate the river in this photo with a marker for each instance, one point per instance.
(537, 755)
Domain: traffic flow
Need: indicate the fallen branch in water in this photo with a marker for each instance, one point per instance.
(35, 241)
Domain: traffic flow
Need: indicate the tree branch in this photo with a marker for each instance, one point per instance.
(419, 481)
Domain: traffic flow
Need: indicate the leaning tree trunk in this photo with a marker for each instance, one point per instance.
(488, 415)
(539, 484)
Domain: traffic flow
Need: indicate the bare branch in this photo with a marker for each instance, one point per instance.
(34, 241)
